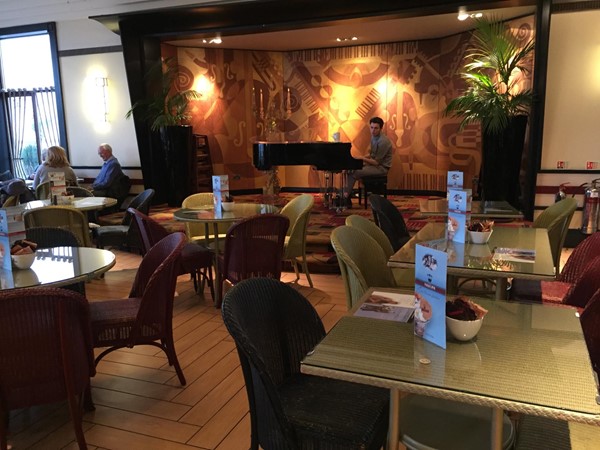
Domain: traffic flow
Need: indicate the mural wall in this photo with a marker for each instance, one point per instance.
(309, 95)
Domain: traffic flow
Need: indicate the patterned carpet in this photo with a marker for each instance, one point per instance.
(321, 258)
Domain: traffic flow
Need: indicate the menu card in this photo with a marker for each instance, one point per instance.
(431, 268)
(220, 184)
(387, 306)
(455, 179)
(459, 213)
(5, 261)
(514, 254)
(59, 185)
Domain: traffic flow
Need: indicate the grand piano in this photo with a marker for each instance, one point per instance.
(328, 156)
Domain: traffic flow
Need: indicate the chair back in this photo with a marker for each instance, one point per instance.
(580, 258)
(47, 237)
(12, 200)
(390, 220)
(254, 247)
(197, 231)
(79, 192)
(42, 190)
(585, 286)
(556, 219)
(590, 324)
(273, 327)
(369, 227)
(362, 262)
(140, 202)
(150, 231)
(45, 346)
(60, 217)
(298, 212)
(154, 283)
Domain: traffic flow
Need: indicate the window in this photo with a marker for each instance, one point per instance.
(31, 117)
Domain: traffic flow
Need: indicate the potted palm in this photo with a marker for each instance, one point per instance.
(166, 110)
(494, 98)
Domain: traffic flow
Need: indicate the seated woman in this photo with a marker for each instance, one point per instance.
(55, 161)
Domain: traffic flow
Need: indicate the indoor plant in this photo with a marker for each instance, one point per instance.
(494, 98)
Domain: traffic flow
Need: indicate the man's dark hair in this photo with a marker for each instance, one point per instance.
(377, 120)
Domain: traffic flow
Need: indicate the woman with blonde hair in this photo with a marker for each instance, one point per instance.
(55, 161)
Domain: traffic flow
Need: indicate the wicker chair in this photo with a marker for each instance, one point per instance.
(590, 323)
(388, 218)
(60, 217)
(403, 277)
(253, 248)
(124, 234)
(46, 352)
(146, 316)
(196, 259)
(537, 433)
(298, 212)
(273, 327)
(197, 231)
(42, 190)
(362, 262)
(77, 191)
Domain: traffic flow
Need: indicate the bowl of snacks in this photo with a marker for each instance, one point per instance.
(480, 232)
(22, 254)
(227, 204)
(464, 318)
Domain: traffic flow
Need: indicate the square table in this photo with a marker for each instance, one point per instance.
(528, 358)
(477, 260)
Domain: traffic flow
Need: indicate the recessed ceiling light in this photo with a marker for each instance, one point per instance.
(216, 40)
(464, 15)
(346, 39)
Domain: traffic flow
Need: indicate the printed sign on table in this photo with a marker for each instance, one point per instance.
(431, 268)
(387, 306)
(4, 242)
(220, 185)
(455, 179)
(459, 209)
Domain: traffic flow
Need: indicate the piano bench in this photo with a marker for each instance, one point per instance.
(374, 184)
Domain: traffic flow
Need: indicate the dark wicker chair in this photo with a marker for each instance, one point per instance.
(46, 352)
(124, 234)
(590, 323)
(537, 291)
(146, 316)
(77, 191)
(253, 248)
(390, 220)
(274, 327)
(196, 259)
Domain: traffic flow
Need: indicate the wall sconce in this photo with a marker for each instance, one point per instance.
(102, 95)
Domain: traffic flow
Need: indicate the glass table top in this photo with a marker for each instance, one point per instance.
(208, 213)
(479, 209)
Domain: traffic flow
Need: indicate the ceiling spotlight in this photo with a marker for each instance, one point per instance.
(216, 40)
(346, 39)
(464, 15)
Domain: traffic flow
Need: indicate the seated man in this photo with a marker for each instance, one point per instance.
(378, 162)
(108, 183)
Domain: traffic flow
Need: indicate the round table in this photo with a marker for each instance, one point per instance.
(208, 214)
(80, 203)
(59, 266)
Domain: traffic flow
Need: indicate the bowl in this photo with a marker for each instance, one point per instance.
(227, 206)
(463, 330)
(23, 261)
(480, 237)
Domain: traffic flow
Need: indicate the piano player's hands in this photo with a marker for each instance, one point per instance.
(370, 161)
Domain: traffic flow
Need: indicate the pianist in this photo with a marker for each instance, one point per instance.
(378, 162)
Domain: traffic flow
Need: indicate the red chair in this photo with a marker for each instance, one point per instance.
(590, 323)
(253, 248)
(195, 259)
(147, 315)
(46, 352)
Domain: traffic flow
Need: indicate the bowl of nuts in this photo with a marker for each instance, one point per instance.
(22, 254)
(480, 232)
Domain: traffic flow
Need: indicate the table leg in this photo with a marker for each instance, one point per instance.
(217, 269)
(394, 420)
(501, 285)
(497, 422)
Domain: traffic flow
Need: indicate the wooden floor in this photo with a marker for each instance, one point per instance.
(139, 402)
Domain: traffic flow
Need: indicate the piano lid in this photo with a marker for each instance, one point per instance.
(331, 156)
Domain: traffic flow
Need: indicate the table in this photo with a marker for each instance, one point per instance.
(528, 358)
(59, 266)
(477, 261)
(492, 209)
(82, 203)
(208, 215)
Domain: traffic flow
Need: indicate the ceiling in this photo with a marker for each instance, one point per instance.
(368, 31)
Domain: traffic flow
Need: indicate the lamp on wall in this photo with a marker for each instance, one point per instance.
(102, 96)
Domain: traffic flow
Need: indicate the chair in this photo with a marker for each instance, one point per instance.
(388, 218)
(195, 259)
(362, 263)
(124, 234)
(590, 324)
(536, 291)
(46, 352)
(60, 217)
(298, 212)
(147, 315)
(253, 248)
(77, 191)
(537, 433)
(197, 231)
(403, 277)
(556, 219)
(42, 190)
(374, 184)
(12, 200)
(273, 327)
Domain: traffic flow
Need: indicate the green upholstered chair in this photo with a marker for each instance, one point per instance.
(298, 212)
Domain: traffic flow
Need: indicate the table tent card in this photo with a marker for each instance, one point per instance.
(220, 185)
(58, 191)
(387, 306)
(431, 268)
(459, 213)
(4, 241)
(455, 179)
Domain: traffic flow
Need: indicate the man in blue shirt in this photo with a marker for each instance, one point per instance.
(110, 173)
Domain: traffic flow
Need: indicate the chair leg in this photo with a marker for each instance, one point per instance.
(88, 402)
(75, 410)
(169, 348)
(305, 269)
(296, 271)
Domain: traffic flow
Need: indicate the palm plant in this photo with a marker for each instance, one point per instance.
(167, 106)
(492, 96)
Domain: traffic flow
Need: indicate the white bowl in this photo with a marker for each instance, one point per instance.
(463, 330)
(23, 261)
(480, 237)
(227, 206)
